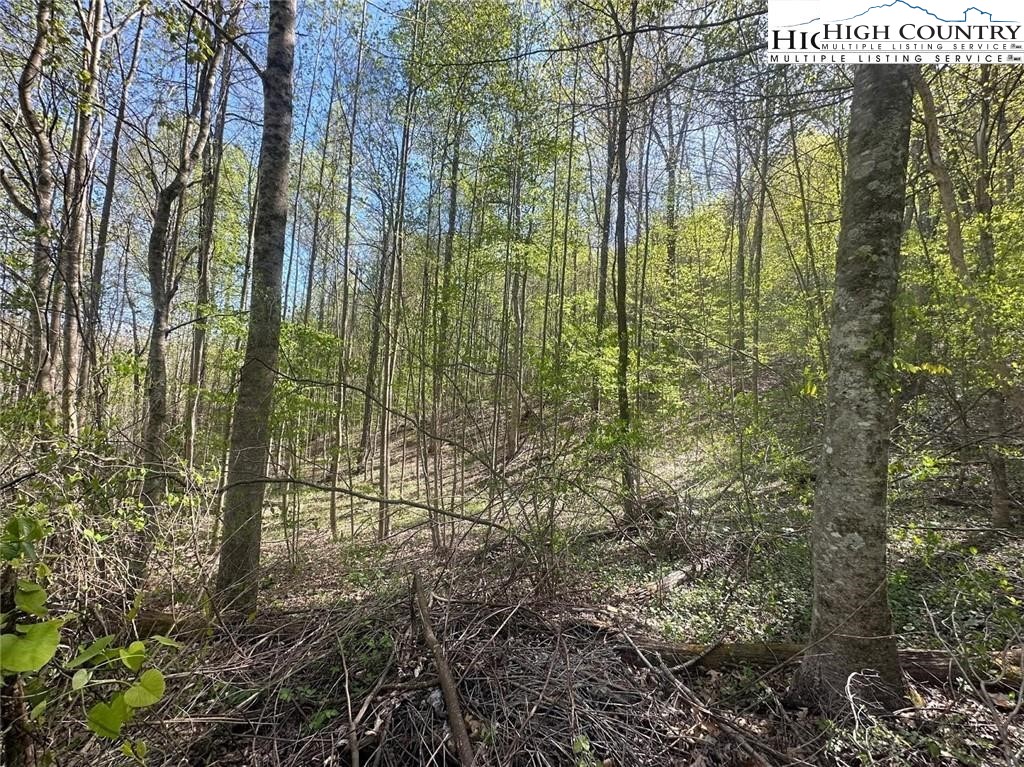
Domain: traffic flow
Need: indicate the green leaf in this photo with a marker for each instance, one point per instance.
(141, 749)
(133, 656)
(90, 652)
(80, 679)
(30, 598)
(581, 744)
(31, 651)
(166, 641)
(106, 719)
(147, 691)
(37, 710)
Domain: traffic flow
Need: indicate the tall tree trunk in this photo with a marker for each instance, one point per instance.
(943, 180)
(94, 297)
(76, 200)
(340, 397)
(605, 237)
(204, 259)
(243, 296)
(757, 257)
(381, 293)
(43, 336)
(625, 44)
(671, 193)
(851, 625)
(160, 270)
(742, 209)
(391, 305)
(390, 251)
(321, 170)
(999, 497)
(300, 172)
(237, 574)
(999, 493)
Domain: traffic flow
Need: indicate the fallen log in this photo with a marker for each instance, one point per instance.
(925, 666)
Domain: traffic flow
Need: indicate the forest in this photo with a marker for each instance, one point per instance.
(503, 382)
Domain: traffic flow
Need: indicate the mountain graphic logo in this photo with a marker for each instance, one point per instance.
(984, 17)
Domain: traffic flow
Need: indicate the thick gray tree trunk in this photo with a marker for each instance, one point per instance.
(237, 576)
(852, 649)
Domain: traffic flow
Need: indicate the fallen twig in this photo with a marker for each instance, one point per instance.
(444, 675)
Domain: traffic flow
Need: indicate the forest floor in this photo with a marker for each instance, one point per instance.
(545, 643)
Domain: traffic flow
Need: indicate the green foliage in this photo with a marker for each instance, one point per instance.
(31, 647)
(29, 597)
(94, 649)
(20, 535)
(107, 719)
(148, 690)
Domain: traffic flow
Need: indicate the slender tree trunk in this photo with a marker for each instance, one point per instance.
(153, 447)
(211, 186)
(243, 296)
(90, 337)
(340, 397)
(381, 293)
(237, 575)
(389, 253)
(757, 257)
(999, 494)
(629, 487)
(671, 194)
(315, 242)
(76, 201)
(603, 244)
(944, 182)
(740, 274)
(854, 649)
(43, 336)
(160, 258)
(300, 173)
(391, 305)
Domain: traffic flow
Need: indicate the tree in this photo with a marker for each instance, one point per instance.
(43, 334)
(78, 181)
(851, 628)
(625, 46)
(237, 580)
(161, 270)
(990, 146)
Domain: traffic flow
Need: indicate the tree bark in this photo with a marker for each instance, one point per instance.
(211, 185)
(938, 168)
(851, 626)
(237, 575)
(43, 335)
(94, 296)
(162, 284)
(340, 393)
(603, 245)
(76, 201)
(621, 273)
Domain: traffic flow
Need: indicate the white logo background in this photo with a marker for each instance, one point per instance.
(795, 13)
(896, 31)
